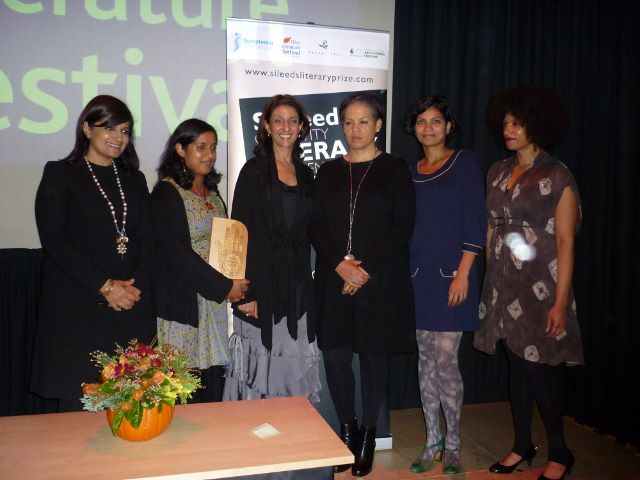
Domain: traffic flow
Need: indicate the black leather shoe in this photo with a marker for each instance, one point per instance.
(364, 454)
(567, 469)
(528, 457)
(349, 436)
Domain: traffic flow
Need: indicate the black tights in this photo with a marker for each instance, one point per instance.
(531, 382)
(341, 382)
(212, 380)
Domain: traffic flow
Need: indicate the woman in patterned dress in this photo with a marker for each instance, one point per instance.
(448, 234)
(190, 293)
(527, 300)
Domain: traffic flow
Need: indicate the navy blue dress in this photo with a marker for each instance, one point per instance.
(450, 219)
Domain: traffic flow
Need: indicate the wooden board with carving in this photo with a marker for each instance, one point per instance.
(228, 248)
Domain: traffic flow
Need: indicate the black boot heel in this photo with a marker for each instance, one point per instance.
(365, 452)
(349, 436)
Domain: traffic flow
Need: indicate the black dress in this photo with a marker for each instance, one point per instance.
(78, 236)
(379, 318)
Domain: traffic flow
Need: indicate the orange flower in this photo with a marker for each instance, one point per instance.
(137, 394)
(123, 359)
(109, 372)
(91, 389)
(145, 363)
(158, 377)
(125, 406)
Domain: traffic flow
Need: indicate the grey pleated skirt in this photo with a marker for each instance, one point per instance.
(289, 369)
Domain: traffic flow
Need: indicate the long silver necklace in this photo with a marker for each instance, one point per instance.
(353, 200)
(121, 233)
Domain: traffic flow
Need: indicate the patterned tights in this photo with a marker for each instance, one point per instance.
(440, 384)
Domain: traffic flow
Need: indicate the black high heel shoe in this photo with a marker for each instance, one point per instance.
(567, 468)
(528, 457)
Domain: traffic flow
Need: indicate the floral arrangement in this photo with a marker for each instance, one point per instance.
(136, 378)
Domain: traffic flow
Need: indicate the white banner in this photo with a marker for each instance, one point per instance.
(319, 65)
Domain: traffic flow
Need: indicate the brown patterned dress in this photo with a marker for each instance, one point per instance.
(520, 282)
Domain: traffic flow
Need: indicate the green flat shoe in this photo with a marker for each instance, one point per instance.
(452, 462)
(429, 455)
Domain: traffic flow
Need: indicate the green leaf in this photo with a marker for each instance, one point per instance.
(135, 414)
(117, 420)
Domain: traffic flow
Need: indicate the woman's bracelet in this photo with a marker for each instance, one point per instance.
(107, 288)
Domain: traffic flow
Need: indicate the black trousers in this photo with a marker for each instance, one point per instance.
(531, 382)
(340, 379)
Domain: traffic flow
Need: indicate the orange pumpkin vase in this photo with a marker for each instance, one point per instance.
(153, 423)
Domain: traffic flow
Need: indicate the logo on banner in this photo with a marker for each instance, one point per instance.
(366, 53)
(240, 41)
(324, 44)
(290, 46)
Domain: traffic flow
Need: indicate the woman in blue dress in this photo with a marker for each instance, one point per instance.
(448, 235)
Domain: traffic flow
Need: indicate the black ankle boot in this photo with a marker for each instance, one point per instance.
(349, 435)
(364, 454)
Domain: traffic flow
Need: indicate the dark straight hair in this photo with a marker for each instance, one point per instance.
(104, 111)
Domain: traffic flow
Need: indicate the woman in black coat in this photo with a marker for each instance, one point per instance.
(92, 212)
(363, 214)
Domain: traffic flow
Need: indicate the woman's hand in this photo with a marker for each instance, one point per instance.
(458, 289)
(556, 321)
(238, 290)
(352, 273)
(250, 309)
(349, 289)
(123, 295)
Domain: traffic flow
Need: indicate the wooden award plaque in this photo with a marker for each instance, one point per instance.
(228, 248)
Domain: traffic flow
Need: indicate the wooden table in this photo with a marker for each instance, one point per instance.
(208, 440)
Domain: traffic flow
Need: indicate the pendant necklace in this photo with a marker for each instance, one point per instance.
(121, 233)
(353, 200)
(203, 194)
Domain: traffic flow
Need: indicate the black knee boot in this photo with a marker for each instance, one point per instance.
(364, 455)
(349, 435)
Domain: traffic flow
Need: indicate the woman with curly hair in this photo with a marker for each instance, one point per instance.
(275, 352)
(448, 234)
(190, 294)
(527, 300)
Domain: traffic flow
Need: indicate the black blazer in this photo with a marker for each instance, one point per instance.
(180, 272)
(278, 257)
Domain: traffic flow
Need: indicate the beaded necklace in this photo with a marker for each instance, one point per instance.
(121, 237)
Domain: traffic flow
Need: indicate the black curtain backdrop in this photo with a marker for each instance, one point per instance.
(587, 51)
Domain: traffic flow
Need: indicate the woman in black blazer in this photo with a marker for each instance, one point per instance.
(275, 352)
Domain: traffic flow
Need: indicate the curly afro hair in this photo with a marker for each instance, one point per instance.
(540, 110)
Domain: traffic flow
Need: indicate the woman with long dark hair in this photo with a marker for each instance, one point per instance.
(275, 352)
(363, 214)
(448, 234)
(527, 300)
(92, 212)
(190, 294)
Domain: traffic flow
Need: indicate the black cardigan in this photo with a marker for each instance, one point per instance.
(180, 272)
(278, 257)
